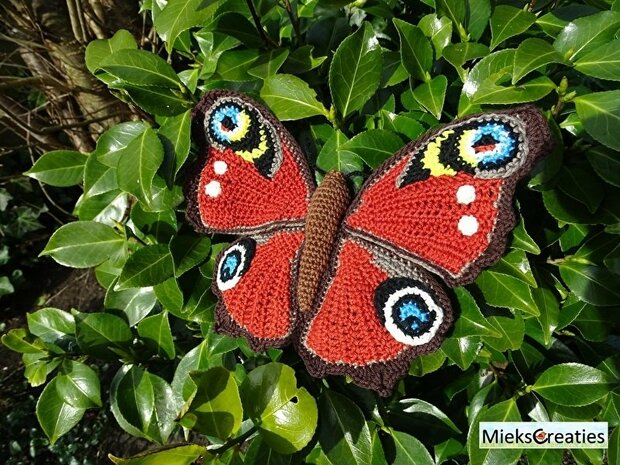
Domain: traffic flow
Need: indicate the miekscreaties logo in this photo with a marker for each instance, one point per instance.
(543, 435)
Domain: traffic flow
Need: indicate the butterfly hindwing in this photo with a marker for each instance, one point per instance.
(445, 201)
(254, 281)
(251, 176)
(375, 315)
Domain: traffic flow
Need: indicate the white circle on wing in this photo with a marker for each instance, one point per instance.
(398, 333)
(220, 167)
(234, 280)
(213, 189)
(468, 225)
(466, 194)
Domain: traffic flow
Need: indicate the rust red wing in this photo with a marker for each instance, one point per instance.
(254, 282)
(251, 176)
(445, 202)
(376, 314)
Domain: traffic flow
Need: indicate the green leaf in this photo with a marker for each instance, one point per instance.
(587, 33)
(52, 325)
(181, 15)
(158, 100)
(425, 364)
(533, 54)
(593, 284)
(188, 252)
(479, 14)
(549, 309)
(302, 60)
(511, 328)
(606, 163)
(16, 340)
(259, 453)
(269, 63)
(600, 113)
(462, 350)
(233, 65)
(409, 451)
(431, 94)
(343, 432)
(60, 168)
(459, 54)
(198, 359)
(456, 10)
(155, 331)
(170, 295)
(544, 456)
(470, 322)
(582, 185)
(503, 411)
(613, 451)
(355, 71)
(112, 142)
(216, 409)
(79, 385)
(333, 158)
(490, 92)
(56, 416)
(373, 147)
(603, 62)
(83, 244)
(98, 50)
(439, 30)
(139, 68)
(418, 407)
(98, 178)
(138, 165)
(174, 133)
(143, 404)
(573, 384)
(291, 98)
(136, 303)
(96, 333)
(508, 21)
(416, 51)
(147, 266)
(169, 455)
(285, 414)
(501, 290)
(517, 265)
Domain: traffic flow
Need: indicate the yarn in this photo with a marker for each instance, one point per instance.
(353, 285)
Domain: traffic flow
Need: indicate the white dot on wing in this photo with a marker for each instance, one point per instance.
(468, 225)
(213, 189)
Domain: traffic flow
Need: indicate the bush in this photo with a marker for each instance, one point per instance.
(537, 333)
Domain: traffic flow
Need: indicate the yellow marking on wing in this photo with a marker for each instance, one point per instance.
(258, 151)
(430, 157)
(241, 131)
(467, 152)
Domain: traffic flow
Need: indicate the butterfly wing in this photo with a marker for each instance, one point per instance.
(442, 204)
(254, 281)
(376, 314)
(445, 202)
(251, 176)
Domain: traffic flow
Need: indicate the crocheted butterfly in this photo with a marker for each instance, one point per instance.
(353, 283)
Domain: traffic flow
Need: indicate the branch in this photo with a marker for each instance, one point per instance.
(263, 35)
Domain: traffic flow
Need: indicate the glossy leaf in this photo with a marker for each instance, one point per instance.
(343, 433)
(174, 133)
(593, 284)
(139, 68)
(60, 168)
(180, 15)
(83, 244)
(79, 385)
(409, 450)
(155, 331)
(598, 112)
(291, 98)
(508, 21)
(373, 147)
(170, 455)
(533, 54)
(52, 325)
(98, 332)
(416, 51)
(505, 291)
(431, 95)
(215, 410)
(355, 71)
(148, 266)
(585, 34)
(56, 416)
(188, 252)
(503, 411)
(573, 384)
(98, 50)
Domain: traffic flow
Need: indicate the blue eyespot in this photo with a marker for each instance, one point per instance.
(493, 144)
(408, 309)
(229, 123)
(234, 263)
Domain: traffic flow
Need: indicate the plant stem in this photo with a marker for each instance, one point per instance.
(263, 35)
(294, 19)
(235, 441)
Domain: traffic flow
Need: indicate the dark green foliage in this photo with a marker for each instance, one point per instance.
(536, 336)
